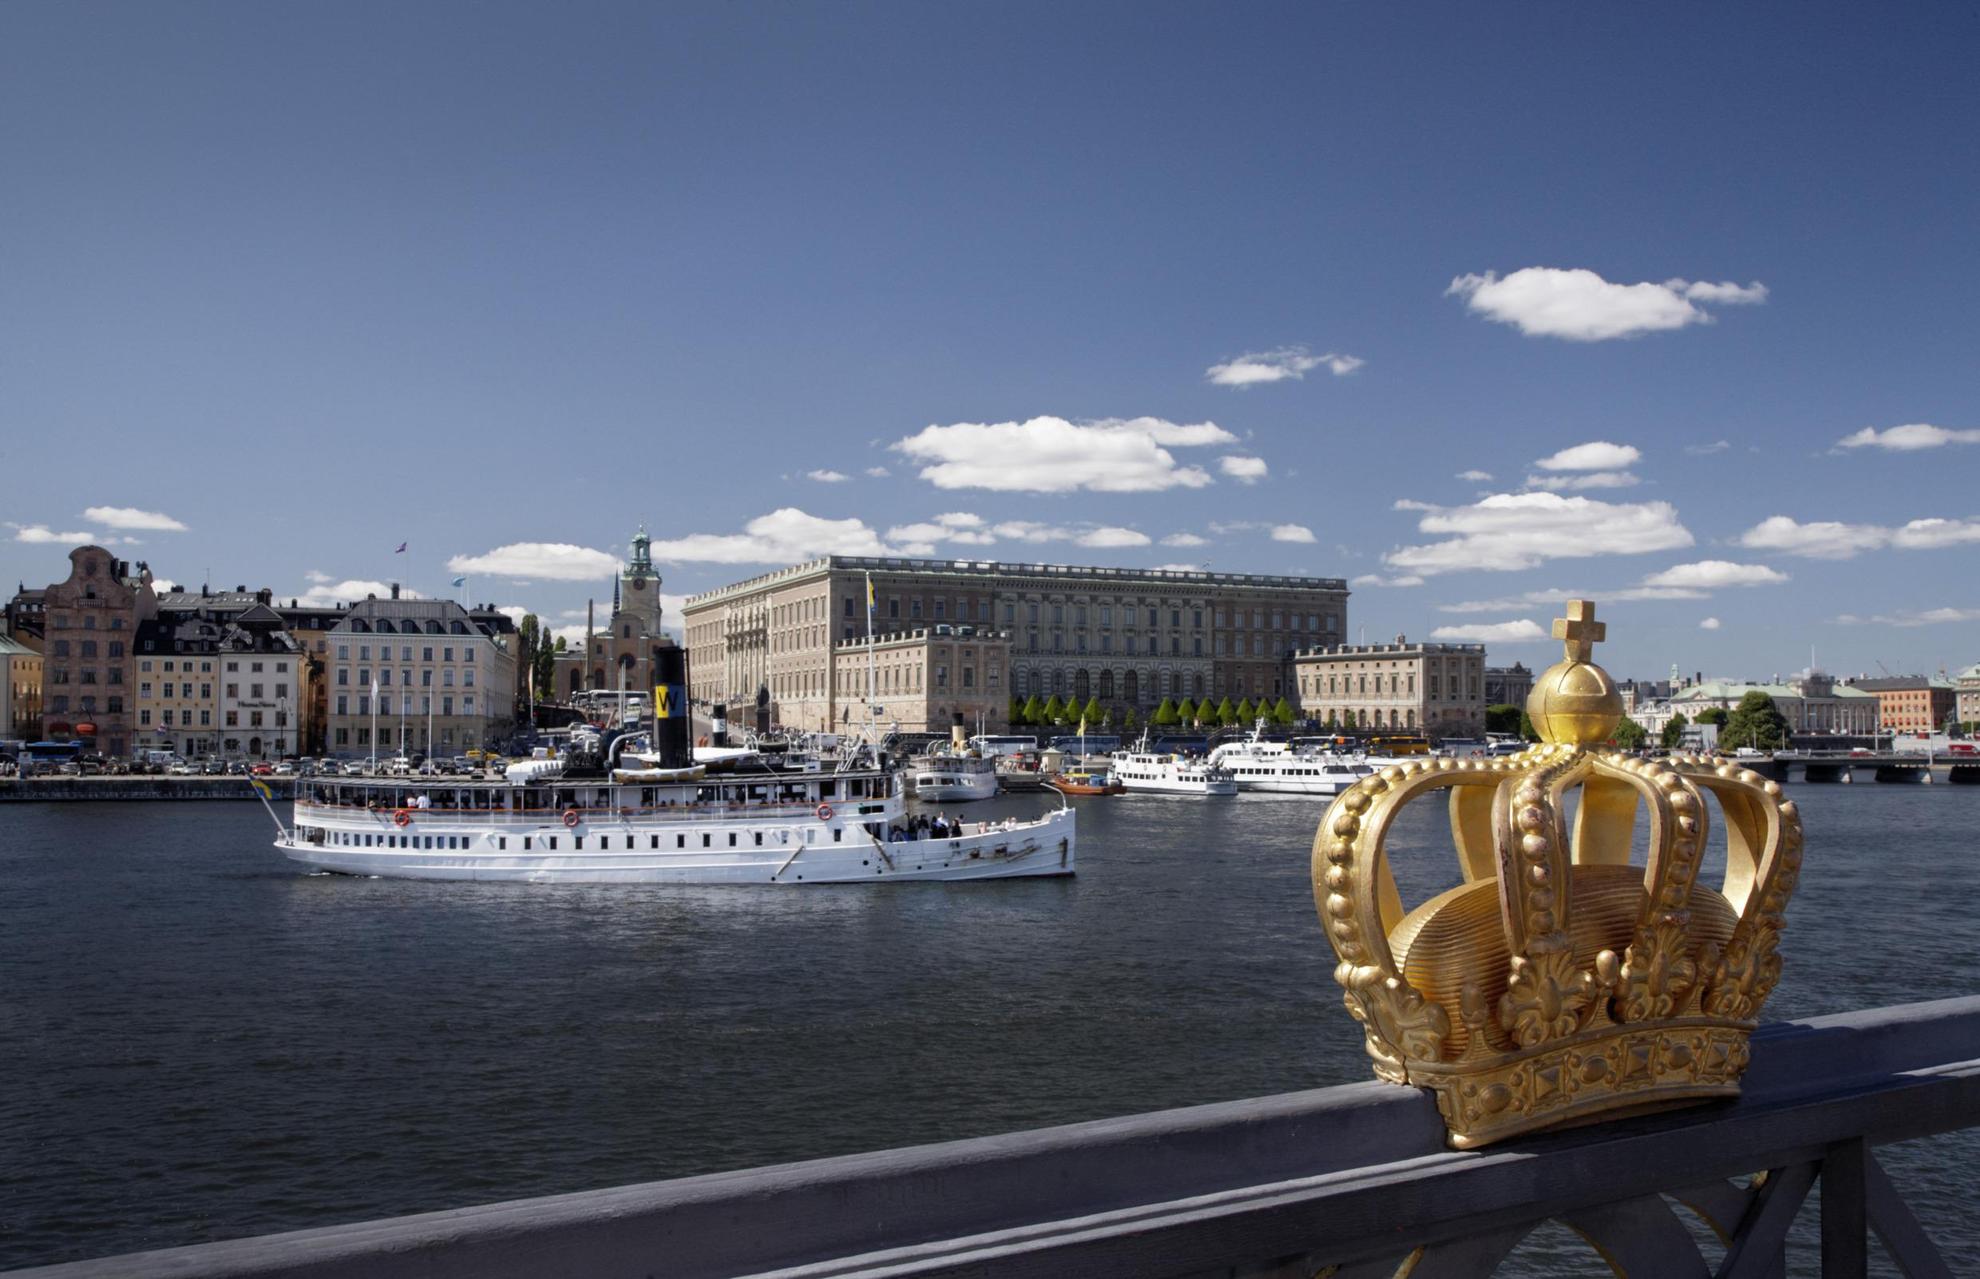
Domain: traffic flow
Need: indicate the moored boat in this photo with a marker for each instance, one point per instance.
(616, 814)
(1260, 765)
(1166, 773)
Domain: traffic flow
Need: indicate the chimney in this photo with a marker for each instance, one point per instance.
(395, 590)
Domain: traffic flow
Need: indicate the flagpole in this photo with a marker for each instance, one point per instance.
(374, 723)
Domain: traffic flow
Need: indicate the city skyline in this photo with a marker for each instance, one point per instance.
(1479, 311)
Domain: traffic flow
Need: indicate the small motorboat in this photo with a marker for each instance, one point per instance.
(1098, 782)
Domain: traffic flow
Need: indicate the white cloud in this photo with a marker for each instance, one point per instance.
(572, 636)
(1918, 617)
(1907, 439)
(325, 593)
(1521, 631)
(1595, 455)
(827, 477)
(553, 561)
(316, 576)
(514, 612)
(1108, 536)
(1185, 539)
(1287, 362)
(1580, 306)
(42, 533)
(959, 527)
(1522, 530)
(1712, 575)
(785, 535)
(1592, 480)
(1054, 455)
(1475, 477)
(1245, 470)
(1706, 450)
(1833, 540)
(1178, 568)
(878, 472)
(1293, 533)
(1376, 579)
(129, 517)
(1709, 624)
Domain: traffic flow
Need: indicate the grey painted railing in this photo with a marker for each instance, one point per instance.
(1346, 1181)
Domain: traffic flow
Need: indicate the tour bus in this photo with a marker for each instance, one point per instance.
(1394, 746)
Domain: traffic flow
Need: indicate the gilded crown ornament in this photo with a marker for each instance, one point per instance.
(1559, 982)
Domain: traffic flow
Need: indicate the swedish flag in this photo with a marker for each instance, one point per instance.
(870, 605)
(262, 788)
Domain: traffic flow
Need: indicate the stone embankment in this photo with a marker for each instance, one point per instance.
(38, 789)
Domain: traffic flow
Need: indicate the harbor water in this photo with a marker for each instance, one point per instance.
(200, 1042)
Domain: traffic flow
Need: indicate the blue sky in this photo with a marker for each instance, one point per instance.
(501, 283)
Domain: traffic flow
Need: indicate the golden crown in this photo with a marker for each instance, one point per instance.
(1558, 981)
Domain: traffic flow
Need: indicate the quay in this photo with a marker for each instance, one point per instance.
(1351, 1181)
(27, 790)
(1888, 767)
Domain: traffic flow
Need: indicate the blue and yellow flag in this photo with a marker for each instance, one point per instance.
(262, 788)
(870, 606)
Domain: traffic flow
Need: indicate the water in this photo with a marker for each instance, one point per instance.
(202, 1043)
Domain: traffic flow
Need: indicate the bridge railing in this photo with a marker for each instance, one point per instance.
(1347, 1181)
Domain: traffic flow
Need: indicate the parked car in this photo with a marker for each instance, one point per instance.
(181, 769)
(284, 769)
(354, 769)
(260, 768)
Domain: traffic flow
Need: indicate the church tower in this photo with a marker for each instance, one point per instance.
(639, 585)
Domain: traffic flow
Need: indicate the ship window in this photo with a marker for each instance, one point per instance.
(837, 835)
(759, 839)
(578, 842)
(655, 843)
(680, 841)
(704, 841)
(552, 841)
(502, 842)
(527, 841)
(732, 839)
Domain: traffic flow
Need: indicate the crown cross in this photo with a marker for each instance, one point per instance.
(1580, 629)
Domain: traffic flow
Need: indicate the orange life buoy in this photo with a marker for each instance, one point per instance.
(402, 818)
(824, 812)
(572, 817)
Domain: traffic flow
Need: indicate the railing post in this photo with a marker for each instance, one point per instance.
(1845, 1247)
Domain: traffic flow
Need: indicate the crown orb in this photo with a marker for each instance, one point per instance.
(1574, 704)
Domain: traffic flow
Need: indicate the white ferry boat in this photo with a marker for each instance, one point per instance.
(718, 816)
(949, 778)
(1159, 773)
(1257, 765)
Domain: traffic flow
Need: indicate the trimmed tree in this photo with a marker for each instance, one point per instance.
(1282, 713)
(1502, 718)
(1246, 712)
(1347, 720)
(1034, 711)
(1674, 731)
(1017, 714)
(1129, 721)
(1055, 710)
(1185, 711)
(1226, 713)
(1091, 711)
(1165, 715)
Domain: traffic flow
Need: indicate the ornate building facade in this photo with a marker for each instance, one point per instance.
(92, 621)
(1418, 688)
(1128, 637)
(919, 681)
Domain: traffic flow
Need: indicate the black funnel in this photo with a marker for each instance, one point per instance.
(673, 729)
